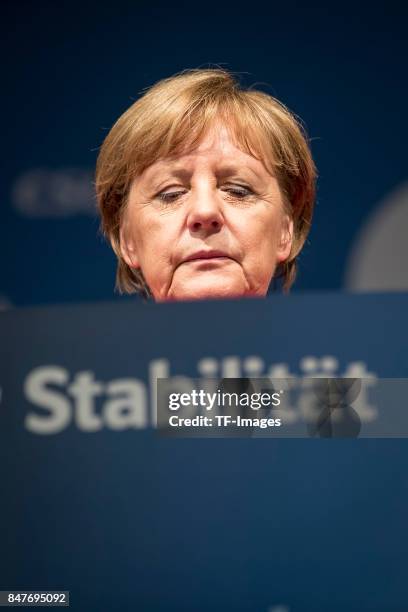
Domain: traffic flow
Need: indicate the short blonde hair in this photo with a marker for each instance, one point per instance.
(172, 117)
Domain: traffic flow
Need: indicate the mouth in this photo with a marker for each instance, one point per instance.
(206, 255)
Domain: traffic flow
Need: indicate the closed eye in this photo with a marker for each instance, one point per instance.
(169, 196)
(238, 191)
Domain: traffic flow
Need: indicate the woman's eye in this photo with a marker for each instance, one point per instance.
(169, 196)
(239, 191)
(236, 191)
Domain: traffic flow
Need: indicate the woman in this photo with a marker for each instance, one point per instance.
(205, 190)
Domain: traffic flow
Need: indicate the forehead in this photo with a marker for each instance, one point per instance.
(218, 150)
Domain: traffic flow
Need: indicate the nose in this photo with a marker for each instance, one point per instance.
(205, 213)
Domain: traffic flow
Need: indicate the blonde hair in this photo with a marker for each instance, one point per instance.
(173, 116)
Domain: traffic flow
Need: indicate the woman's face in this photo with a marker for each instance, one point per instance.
(207, 224)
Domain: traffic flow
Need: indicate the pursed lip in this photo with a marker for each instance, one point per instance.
(211, 254)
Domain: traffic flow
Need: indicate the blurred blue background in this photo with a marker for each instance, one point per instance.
(70, 71)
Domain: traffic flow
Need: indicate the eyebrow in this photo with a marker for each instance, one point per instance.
(232, 170)
(156, 180)
(184, 175)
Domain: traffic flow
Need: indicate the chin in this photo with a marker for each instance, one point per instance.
(213, 291)
(208, 295)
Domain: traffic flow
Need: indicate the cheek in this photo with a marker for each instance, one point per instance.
(154, 242)
(259, 238)
(146, 238)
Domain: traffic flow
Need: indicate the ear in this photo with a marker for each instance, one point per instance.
(286, 239)
(127, 247)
